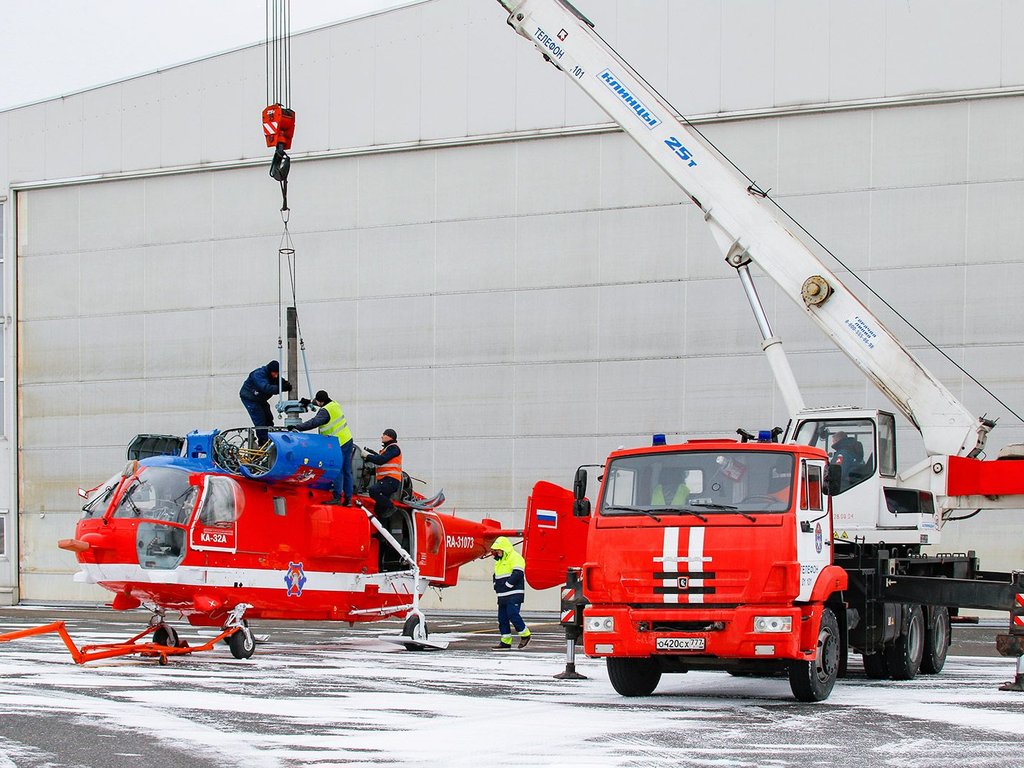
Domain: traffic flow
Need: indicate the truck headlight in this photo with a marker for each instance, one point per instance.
(599, 624)
(773, 623)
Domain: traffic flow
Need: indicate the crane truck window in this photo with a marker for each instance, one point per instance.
(850, 446)
(698, 481)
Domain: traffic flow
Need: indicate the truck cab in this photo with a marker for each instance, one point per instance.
(713, 554)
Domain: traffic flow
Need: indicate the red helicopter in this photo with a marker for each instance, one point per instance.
(222, 528)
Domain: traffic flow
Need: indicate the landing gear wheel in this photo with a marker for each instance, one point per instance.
(875, 666)
(242, 643)
(937, 636)
(165, 635)
(634, 677)
(904, 656)
(227, 640)
(813, 680)
(415, 628)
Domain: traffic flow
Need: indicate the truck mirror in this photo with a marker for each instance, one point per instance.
(581, 506)
(833, 478)
(579, 484)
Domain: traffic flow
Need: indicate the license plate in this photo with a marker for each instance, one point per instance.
(679, 643)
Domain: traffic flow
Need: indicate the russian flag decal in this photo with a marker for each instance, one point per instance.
(547, 518)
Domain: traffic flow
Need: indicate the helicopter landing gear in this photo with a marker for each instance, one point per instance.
(165, 635)
(415, 629)
(241, 641)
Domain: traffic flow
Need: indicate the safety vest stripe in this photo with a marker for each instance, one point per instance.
(338, 425)
(391, 468)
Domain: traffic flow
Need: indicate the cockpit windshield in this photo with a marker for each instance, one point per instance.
(698, 483)
(99, 497)
(158, 493)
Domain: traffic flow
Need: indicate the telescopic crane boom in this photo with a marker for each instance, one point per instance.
(745, 228)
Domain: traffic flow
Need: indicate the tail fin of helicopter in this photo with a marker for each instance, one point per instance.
(555, 540)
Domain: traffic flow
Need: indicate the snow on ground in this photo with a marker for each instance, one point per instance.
(363, 702)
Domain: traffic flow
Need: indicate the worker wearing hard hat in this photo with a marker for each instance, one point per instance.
(261, 385)
(510, 584)
(389, 473)
(330, 420)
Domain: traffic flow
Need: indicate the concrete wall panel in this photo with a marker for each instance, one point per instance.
(557, 250)
(920, 147)
(113, 215)
(396, 260)
(474, 328)
(177, 209)
(556, 399)
(474, 401)
(58, 215)
(918, 226)
(642, 321)
(642, 244)
(476, 254)
(556, 325)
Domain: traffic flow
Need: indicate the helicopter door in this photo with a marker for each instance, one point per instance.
(431, 554)
(216, 525)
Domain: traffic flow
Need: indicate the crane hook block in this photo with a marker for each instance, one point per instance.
(278, 126)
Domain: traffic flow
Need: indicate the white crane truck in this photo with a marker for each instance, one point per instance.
(762, 556)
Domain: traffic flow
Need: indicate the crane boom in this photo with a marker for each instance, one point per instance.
(744, 227)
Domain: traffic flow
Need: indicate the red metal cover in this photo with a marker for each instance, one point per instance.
(972, 477)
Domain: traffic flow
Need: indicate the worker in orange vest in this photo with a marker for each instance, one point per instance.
(389, 474)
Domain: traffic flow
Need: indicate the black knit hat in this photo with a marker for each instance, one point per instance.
(391, 433)
(322, 396)
(273, 366)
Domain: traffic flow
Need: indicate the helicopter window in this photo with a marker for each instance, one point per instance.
(158, 493)
(221, 502)
(97, 501)
(160, 546)
(434, 535)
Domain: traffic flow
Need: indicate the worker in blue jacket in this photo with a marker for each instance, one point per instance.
(261, 385)
(510, 584)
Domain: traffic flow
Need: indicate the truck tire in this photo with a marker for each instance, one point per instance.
(813, 680)
(875, 666)
(904, 656)
(634, 677)
(936, 641)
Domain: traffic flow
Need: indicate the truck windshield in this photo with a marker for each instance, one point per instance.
(701, 482)
(158, 493)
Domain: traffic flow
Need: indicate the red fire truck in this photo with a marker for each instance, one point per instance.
(759, 556)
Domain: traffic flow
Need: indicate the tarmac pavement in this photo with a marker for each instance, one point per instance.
(324, 694)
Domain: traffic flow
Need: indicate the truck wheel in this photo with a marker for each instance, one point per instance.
(936, 641)
(904, 656)
(813, 680)
(634, 677)
(875, 666)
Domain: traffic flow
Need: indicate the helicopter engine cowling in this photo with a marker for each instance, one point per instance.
(297, 458)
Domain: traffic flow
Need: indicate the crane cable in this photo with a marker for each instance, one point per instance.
(286, 258)
(278, 118)
(756, 190)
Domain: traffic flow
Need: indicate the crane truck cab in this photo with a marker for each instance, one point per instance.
(870, 501)
(709, 554)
